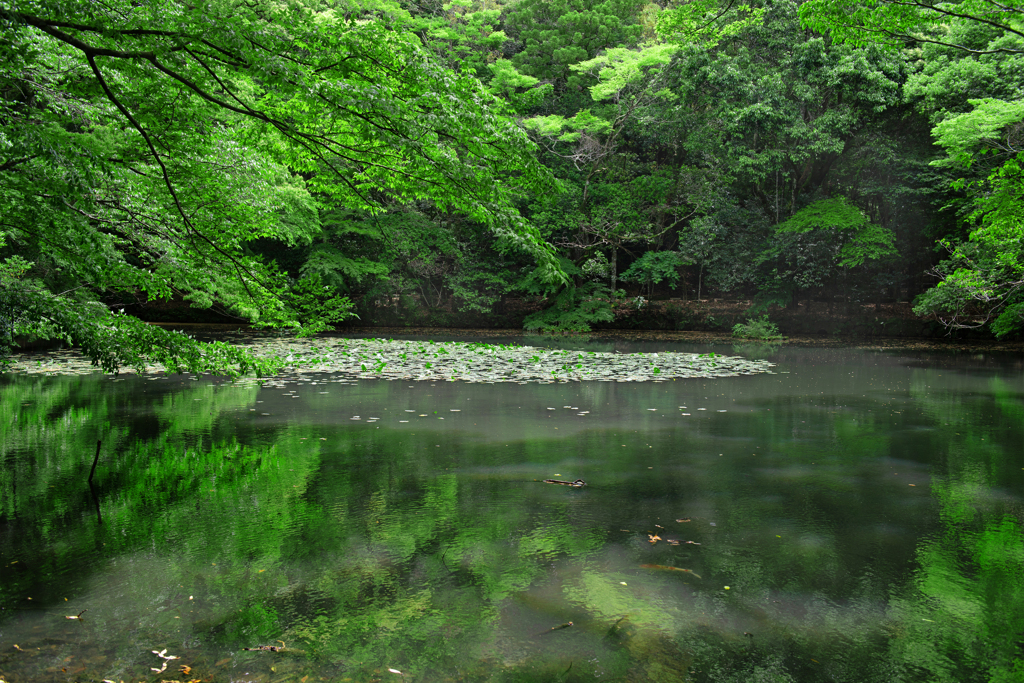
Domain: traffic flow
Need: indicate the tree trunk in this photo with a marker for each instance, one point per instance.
(615, 272)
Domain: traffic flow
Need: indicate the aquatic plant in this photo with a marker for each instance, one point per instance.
(466, 361)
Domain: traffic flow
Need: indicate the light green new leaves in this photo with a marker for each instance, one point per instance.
(507, 82)
(827, 213)
(868, 240)
(706, 22)
(993, 126)
(983, 279)
(619, 68)
(896, 23)
(553, 125)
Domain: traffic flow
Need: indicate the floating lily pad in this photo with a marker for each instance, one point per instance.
(353, 359)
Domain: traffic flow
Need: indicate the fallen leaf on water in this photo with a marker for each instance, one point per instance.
(682, 520)
(653, 538)
(395, 671)
(671, 542)
(693, 543)
(223, 661)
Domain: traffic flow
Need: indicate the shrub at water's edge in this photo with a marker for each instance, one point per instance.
(757, 328)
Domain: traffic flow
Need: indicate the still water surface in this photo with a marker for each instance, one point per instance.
(855, 516)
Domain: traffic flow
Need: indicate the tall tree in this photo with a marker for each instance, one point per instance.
(146, 143)
(970, 87)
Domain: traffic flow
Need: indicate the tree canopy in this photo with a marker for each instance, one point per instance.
(968, 47)
(145, 145)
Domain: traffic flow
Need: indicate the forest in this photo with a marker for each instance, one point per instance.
(299, 164)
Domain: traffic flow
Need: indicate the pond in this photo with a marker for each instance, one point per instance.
(849, 515)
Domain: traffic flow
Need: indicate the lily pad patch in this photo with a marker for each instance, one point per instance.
(349, 360)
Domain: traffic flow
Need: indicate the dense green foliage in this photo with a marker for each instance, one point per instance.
(442, 158)
(967, 82)
(147, 146)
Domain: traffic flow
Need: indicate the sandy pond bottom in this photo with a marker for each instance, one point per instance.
(846, 515)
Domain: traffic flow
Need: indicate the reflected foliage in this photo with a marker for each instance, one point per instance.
(438, 551)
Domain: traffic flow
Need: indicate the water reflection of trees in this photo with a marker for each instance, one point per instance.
(359, 551)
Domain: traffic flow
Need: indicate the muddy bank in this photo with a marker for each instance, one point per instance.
(712, 337)
(806, 319)
(813, 323)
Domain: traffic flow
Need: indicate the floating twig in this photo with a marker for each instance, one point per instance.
(578, 484)
(557, 628)
(266, 648)
(77, 616)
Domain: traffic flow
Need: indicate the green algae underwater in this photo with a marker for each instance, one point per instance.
(849, 515)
